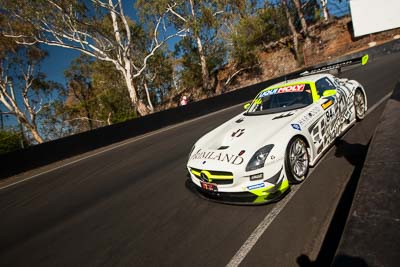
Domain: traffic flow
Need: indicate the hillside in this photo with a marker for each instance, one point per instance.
(328, 41)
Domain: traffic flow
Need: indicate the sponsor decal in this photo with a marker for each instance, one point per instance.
(269, 92)
(240, 120)
(296, 126)
(327, 104)
(238, 133)
(256, 186)
(306, 118)
(219, 156)
(287, 89)
(330, 114)
(293, 88)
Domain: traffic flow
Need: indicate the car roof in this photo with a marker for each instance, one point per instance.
(309, 78)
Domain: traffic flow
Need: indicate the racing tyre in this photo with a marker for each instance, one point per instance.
(359, 104)
(297, 160)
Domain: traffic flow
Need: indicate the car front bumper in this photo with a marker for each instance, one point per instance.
(267, 194)
(237, 198)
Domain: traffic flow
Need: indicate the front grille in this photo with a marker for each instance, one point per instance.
(216, 177)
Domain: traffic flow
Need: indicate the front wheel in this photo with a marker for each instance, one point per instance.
(297, 160)
(359, 104)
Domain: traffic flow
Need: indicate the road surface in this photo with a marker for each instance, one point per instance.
(127, 204)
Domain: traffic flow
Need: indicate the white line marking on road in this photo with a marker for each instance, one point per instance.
(271, 216)
(260, 229)
(112, 147)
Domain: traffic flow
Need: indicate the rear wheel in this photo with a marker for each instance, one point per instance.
(297, 160)
(359, 104)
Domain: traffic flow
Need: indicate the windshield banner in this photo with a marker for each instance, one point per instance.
(287, 89)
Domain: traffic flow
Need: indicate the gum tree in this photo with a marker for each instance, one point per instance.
(24, 89)
(97, 28)
(201, 18)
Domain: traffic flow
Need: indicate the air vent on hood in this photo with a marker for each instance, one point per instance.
(223, 147)
(283, 116)
(239, 120)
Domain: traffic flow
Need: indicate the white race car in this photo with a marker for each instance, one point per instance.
(254, 157)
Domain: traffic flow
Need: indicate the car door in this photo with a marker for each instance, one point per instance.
(330, 102)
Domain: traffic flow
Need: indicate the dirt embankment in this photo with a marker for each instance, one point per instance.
(328, 40)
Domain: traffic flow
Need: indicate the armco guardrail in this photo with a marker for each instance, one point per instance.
(372, 233)
(49, 152)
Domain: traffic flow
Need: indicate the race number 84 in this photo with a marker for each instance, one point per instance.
(329, 115)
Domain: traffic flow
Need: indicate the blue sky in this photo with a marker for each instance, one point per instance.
(57, 62)
(59, 59)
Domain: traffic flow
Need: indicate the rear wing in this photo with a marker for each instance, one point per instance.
(338, 65)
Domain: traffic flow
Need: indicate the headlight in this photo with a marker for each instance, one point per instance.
(258, 159)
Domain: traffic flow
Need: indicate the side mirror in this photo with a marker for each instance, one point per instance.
(246, 106)
(329, 92)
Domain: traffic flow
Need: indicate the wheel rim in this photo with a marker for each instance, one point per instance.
(359, 103)
(298, 158)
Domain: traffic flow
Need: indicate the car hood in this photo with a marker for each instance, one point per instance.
(242, 133)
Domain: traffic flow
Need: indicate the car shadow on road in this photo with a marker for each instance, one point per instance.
(355, 154)
(340, 260)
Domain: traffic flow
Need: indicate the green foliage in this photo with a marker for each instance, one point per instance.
(25, 90)
(158, 76)
(227, 30)
(312, 12)
(96, 95)
(111, 92)
(203, 20)
(267, 25)
(10, 140)
(190, 72)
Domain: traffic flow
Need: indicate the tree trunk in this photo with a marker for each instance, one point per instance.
(295, 34)
(142, 109)
(139, 105)
(89, 116)
(304, 28)
(324, 4)
(36, 135)
(12, 107)
(301, 16)
(205, 75)
(151, 107)
(32, 128)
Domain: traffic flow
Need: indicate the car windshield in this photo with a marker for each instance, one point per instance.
(281, 99)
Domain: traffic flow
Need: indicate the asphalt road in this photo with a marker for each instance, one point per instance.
(128, 206)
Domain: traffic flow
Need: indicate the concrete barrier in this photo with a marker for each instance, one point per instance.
(49, 152)
(371, 236)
